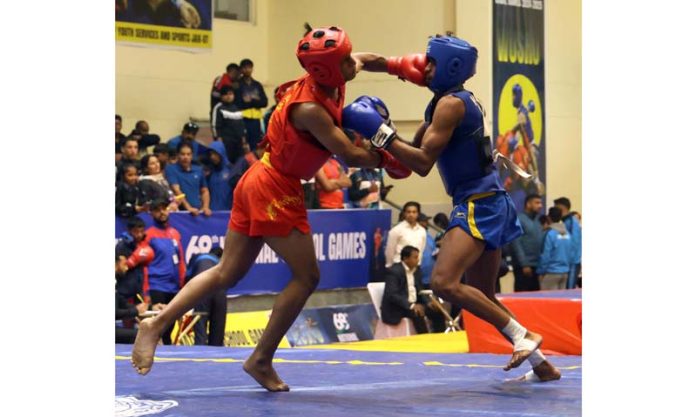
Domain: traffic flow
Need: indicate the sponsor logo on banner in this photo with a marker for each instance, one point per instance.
(333, 324)
(132, 407)
(203, 244)
(342, 326)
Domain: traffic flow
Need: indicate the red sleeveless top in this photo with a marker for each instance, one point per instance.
(296, 153)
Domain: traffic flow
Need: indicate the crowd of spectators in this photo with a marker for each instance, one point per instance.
(199, 178)
(549, 253)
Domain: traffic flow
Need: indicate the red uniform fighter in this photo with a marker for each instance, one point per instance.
(304, 131)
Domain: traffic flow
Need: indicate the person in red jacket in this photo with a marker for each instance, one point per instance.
(305, 130)
(331, 180)
(229, 78)
(164, 275)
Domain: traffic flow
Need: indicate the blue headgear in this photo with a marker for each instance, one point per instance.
(516, 95)
(455, 61)
(531, 106)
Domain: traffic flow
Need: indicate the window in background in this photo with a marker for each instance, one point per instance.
(240, 10)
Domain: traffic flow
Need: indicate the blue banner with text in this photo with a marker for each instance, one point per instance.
(344, 243)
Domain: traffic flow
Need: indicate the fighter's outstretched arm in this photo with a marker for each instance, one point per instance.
(314, 119)
(408, 67)
(369, 61)
(448, 113)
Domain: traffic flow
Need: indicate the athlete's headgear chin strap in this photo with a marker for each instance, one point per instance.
(320, 53)
(455, 61)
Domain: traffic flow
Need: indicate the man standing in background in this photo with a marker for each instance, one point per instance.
(251, 99)
(405, 233)
(228, 125)
(556, 259)
(526, 249)
(428, 258)
(573, 226)
(229, 78)
(164, 275)
(142, 134)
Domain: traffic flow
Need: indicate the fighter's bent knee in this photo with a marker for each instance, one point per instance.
(226, 277)
(312, 279)
(443, 288)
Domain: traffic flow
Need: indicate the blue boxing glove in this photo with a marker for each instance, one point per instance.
(363, 118)
(377, 104)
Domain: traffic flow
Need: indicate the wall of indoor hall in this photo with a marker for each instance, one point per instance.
(167, 87)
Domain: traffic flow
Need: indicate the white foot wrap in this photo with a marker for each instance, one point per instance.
(514, 331)
(536, 358)
(525, 344)
(531, 377)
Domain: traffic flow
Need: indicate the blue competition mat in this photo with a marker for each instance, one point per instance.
(209, 382)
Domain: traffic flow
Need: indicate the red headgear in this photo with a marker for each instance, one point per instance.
(321, 51)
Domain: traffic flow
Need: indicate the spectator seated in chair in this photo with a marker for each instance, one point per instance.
(402, 295)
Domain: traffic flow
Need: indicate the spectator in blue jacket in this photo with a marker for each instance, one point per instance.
(526, 249)
(189, 180)
(575, 230)
(210, 329)
(428, 261)
(441, 220)
(220, 177)
(165, 275)
(557, 255)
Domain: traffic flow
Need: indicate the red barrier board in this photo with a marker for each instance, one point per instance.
(558, 320)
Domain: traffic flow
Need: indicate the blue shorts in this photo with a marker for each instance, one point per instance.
(490, 217)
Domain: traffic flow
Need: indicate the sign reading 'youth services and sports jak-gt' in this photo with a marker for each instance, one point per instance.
(183, 24)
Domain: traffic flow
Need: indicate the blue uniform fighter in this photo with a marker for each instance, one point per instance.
(454, 136)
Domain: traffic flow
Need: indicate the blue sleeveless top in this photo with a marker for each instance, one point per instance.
(466, 165)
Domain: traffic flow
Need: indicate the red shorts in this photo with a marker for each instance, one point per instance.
(268, 203)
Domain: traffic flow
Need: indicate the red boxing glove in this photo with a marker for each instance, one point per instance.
(393, 166)
(141, 254)
(410, 67)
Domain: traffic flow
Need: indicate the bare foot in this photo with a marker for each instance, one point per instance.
(545, 371)
(523, 349)
(262, 371)
(144, 348)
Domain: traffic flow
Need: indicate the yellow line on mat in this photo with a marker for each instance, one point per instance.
(350, 362)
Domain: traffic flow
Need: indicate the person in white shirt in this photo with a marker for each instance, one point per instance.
(405, 233)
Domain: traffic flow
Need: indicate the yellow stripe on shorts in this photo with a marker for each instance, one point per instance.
(472, 222)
